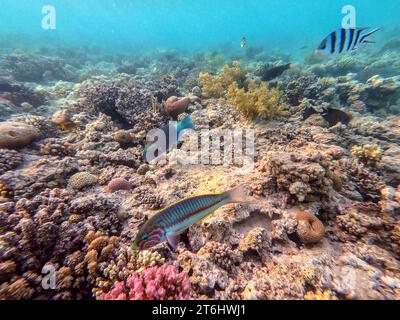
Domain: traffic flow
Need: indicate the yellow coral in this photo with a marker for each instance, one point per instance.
(75, 218)
(319, 295)
(123, 266)
(216, 86)
(369, 153)
(326, 81)
(147, 259)
(375, 80)
(257, 101)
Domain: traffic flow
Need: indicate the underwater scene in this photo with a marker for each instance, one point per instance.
(199, 150)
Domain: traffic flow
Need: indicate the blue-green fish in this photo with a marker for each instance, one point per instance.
(184, 124)
(173, 220)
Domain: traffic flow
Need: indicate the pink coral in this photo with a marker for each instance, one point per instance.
(117, 184)
(156, 283)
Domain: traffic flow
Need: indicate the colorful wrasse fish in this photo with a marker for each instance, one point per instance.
(345, 40)
(171, 221)
(185, 123)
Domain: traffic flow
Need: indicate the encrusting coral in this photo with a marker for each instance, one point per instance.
(9, 159)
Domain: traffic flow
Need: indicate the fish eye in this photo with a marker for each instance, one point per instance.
(146, 236)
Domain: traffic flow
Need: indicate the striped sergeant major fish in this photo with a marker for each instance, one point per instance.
(345, 40)
(173, 220)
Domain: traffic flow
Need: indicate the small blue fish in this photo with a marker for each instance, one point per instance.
(171, 221)
(184, 124)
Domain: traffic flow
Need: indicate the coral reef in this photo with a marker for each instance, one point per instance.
(9, 159)
(301, 175)
(34, 68)
(155, 283)
(75, 189)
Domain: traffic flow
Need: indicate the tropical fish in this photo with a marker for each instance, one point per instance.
(243, 42)
(345, 40)
(331, 115)
(185, 123)
(173, 220)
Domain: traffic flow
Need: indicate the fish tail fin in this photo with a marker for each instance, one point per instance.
(239, 195)
(185, 123)
(365, 36)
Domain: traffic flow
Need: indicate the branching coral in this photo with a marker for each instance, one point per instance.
(221, 254)
(360, 222)
(56, 147)
(217, 86)
(369, 153)
(99, 248)
(366, 182)
(156, 283)
(123, 263)
(301, 174)
(257, 101)
(256, 240)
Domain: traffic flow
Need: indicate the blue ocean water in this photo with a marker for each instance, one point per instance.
(187, 25)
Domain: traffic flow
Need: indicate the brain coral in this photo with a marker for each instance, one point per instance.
(309, 228)
(118, 184)
(82, 180)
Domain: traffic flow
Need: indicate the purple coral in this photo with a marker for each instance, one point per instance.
(156, 283)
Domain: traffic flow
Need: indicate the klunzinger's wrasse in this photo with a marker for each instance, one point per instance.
(173, 220)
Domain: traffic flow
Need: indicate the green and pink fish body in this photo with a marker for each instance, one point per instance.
(171, 221)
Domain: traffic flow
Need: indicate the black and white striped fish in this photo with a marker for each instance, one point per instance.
(345, 40)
